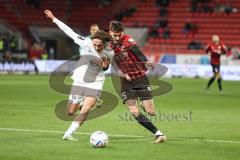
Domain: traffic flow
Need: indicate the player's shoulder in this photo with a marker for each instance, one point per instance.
(222, 45)
(86, 41)
(80, 37)
(128, 38)
(208, 46)
(108, 51)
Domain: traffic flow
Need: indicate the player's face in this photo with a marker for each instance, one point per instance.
(116, 36)
(94, 29)
(98, 45)
(215, 39)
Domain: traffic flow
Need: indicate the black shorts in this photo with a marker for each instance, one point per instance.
(137, 88)
(215, 68)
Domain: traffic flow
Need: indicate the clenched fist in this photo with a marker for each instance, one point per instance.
(49, 14)
(105, 62)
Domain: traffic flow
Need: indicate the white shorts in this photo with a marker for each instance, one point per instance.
(81, 90)
(74, 99)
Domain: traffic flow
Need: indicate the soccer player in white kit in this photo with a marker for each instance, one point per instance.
(88, 77)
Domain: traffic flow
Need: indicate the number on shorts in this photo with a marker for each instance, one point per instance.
(124, 96)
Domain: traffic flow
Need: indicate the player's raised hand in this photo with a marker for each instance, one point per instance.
(49, 14)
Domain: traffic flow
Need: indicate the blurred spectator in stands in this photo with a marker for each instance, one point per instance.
(161, 22)
(153, 33)
(227, 8)
(194, 5)
(166, 33)
(204, 60)
(44, 53)
(125, 13)
(201, 6)
(7, 56)
(207, 8)
(35, 3)
(160, 3)
(190, 28)
(36, 51)
(102, 3)
(51, 53)
(195, 45)
(1, 45)
(13, 42)
(136, 24)
(163, 12)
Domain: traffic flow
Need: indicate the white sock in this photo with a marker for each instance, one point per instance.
(73, 127)
(158, 133)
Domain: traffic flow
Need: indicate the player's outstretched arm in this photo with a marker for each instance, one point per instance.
(67, 30)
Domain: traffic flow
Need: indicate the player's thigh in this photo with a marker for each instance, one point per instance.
(215, 69)
(73, 103)
(72, 108)
(90, 100)
(143, 88)
(149, 106)
(132, 107)
(88, 104)
(127, 93)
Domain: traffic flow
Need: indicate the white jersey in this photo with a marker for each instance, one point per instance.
(88, 74)
(86, 39)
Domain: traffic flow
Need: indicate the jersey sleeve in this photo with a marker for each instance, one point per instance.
(224, 49)
(207, 48)
(78, 39)
(129, 42)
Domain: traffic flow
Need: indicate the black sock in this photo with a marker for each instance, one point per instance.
(210, 82)
(145, 122)
(219, 84)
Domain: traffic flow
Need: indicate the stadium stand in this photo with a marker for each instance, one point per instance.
(80, 14)
(221, 23)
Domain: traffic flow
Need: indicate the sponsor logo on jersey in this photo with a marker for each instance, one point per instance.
(94, 64)
(81, 37)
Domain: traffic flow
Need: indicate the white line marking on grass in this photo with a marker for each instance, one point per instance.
(62, 132)
(116, 135)
(208, 140)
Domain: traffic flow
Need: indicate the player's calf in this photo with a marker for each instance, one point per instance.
(132, 107)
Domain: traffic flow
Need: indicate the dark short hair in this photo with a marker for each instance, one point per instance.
(116, 26)
(100, 34)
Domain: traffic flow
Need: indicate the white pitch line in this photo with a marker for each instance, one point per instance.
(62, 132)
(208, 140)
(116, 135)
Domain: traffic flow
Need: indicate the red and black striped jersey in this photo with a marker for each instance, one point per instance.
(215, 51)
(126, 60)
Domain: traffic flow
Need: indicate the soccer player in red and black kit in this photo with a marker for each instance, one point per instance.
(134, 84)
(215, 50)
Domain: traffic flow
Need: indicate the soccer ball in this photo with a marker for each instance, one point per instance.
(99, 139)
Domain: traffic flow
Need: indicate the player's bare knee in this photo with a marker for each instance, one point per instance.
(70, 113)
(134, 111)
(151, 113)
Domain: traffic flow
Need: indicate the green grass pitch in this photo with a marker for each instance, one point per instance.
(27, 103)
